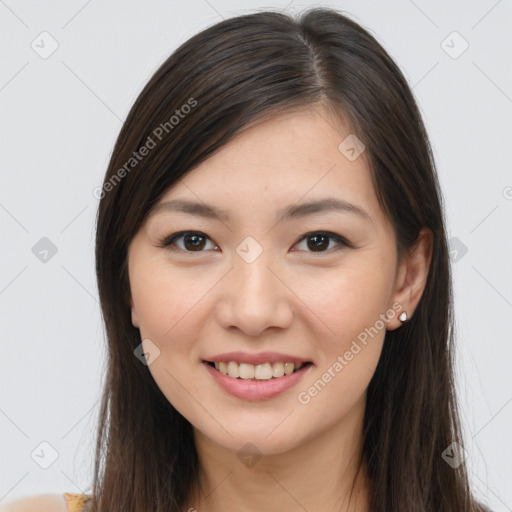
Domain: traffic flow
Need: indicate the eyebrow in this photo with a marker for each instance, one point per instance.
(293, 211)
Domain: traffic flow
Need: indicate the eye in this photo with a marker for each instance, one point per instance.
(193, 241)
(319, 241)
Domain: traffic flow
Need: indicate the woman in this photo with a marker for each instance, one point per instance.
(274, 277)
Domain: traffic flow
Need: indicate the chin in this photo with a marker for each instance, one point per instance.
(255, 442)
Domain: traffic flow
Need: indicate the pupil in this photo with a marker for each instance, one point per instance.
(195, 240)
(318, 244)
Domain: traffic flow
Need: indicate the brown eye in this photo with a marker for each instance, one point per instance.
(319, 241)
(191, 241)
(194, 242)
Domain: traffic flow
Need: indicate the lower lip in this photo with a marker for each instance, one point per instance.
(248, 389)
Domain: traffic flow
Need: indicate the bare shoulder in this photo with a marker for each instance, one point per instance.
(36, 503)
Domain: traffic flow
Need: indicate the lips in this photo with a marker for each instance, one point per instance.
(254, 389)
(256, 376)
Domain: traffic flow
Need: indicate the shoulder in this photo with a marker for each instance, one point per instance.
(36, 503)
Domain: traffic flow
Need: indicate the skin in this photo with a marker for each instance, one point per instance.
(292, 299)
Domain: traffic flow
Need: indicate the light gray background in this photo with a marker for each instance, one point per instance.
(59, 118)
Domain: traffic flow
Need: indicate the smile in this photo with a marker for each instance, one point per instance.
(256, 388)
(264, 371)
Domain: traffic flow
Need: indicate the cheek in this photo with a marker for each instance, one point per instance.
(350, 305)
(170, 309)
(347, 302)
(348, 355)
(166, 301)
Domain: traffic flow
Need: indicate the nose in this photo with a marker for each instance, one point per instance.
(254, 297)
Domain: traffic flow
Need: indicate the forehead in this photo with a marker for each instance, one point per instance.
(289, 158)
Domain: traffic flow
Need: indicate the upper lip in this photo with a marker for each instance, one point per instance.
(259, 358)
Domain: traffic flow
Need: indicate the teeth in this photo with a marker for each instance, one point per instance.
(277, 370)
(223, 368)
(233, 370)
(246, 370)
(288, 368)
(265, 371)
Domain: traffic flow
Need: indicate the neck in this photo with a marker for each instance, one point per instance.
(321, 474)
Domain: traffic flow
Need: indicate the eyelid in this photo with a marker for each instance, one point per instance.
(341, 241)
(168, 241)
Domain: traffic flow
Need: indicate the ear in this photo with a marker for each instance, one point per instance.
(135, 320)
(412, 277)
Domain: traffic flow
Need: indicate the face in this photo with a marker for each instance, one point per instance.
(272, 281)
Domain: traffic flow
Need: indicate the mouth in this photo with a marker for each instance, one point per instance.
(257, 372)
(260, 381)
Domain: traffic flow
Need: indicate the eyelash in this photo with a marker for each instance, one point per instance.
(169, 240)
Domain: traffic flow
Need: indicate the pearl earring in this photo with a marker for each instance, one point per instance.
(402, 316)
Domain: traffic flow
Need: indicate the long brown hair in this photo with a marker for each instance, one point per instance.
(239, 71)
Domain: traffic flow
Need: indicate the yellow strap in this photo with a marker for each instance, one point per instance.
(75, 501)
